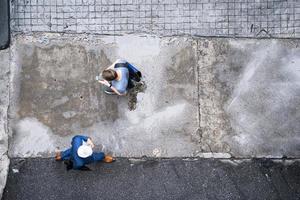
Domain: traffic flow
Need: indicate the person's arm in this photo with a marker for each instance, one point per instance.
(116, 91)
(90, 142)
(105, 82)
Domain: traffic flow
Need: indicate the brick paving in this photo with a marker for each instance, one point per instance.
(225, 18)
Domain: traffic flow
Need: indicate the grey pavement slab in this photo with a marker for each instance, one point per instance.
(4, 104)
(202, 97)
(57, 96)
(155, 179)
(4, 24)
(223, 18)
(249, 97)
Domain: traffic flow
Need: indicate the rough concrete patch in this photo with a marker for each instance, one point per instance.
(214, 123)
(4, 166)
(248, 97)
(183, 67)
(239, 93)
(4, 103)
(264, 106)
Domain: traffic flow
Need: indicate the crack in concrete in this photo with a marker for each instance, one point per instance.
(199, 131)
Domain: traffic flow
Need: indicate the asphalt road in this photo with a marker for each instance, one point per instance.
(39, 178)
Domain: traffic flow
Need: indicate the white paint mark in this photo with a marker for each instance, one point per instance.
(214, 155)
(69, 114)
(156, 152)
(60, 101)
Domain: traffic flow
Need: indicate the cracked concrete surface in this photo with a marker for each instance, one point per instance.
(57, 96)
(203, 97)
(4, 103)
(249, 97)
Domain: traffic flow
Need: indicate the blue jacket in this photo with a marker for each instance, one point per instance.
(76, 143)
(71, 153)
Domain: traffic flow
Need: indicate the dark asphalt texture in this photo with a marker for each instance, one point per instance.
(40, 178)
(4, 24)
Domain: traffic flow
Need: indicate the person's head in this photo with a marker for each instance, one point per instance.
(84, 150)
(109, 74)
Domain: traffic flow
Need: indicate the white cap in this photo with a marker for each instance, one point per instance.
(84, 150)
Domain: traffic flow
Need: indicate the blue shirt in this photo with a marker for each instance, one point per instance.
(71, 153)
(121, 85)
(76, 143)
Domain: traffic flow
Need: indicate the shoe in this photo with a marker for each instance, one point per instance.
(109, 92)
(58, 156)
(108, 159)
(69, 164)
(84, 168)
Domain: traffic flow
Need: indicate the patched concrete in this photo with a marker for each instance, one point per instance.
(4, 103)
(57, 96)
(203, 97)
(250, 97)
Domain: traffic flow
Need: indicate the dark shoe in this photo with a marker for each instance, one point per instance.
(69, 164)
(109, 92)
(84, 168)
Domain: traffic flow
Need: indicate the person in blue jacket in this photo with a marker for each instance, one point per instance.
(81, 153)
(118, 77)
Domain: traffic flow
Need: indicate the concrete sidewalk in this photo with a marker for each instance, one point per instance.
(192, 179)
(203, 97)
